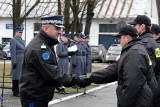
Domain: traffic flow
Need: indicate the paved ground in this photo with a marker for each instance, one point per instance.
(105, 97)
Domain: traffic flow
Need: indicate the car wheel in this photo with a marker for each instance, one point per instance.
(103, 59)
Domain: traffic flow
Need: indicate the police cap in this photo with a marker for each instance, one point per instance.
(141, 19)
(56, 20)
(127, 30)
(155, 29)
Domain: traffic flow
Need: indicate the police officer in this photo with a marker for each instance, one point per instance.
(143, 24)
(62, 53)
(155, 29)
(63, 60)
(83, 53)
(40, 73)
(88, 55)
(131, 71)
(76, 59)
(17, 47)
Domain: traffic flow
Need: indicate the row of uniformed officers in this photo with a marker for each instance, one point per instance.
(81, 60)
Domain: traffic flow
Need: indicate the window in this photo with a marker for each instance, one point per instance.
(5, 40)
(107, 28)
(37, 26)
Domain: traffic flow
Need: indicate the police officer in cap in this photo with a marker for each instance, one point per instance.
(143, 25)
(63, 60)
(76, 59)
(88, 55)
(41, 73)
(155, 29)
(83, 54)
(17, 47)
(131, 71)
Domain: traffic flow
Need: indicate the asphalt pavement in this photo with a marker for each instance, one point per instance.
(104, 97)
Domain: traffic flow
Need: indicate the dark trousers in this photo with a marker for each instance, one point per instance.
(15, 87)
(27, 103)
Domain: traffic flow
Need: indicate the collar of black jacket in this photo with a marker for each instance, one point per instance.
(131, 43)
(47, 39)
(145, 35)
(158, 40)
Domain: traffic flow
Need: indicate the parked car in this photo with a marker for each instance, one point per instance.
(98, 53)
(6, 49)
(113, 52)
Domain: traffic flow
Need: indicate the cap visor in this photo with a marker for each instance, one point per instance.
(61, 26)
(132, 23)
(118, 35)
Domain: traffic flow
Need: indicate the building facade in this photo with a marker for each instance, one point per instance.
(107, 14)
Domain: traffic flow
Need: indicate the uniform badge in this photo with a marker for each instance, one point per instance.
(43, 46)
(46, 55)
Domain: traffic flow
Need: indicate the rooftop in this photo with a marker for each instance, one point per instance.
(104, 8)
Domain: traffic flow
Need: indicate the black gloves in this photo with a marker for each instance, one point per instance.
(84, 83)
(14, 65)
(71, 53)
(81, 81)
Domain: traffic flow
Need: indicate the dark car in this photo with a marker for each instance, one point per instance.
(98, 53)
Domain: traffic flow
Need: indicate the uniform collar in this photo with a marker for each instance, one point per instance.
(131, 43)
(145, 35)
(158, 40)
(47, 39)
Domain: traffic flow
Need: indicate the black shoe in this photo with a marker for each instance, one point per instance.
(63, 92)
(16, 95)
(76, 87)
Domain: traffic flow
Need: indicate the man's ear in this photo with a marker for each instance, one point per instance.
(129, 38)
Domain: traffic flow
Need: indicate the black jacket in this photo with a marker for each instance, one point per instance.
(40, 73)
(131, 71)
(151, 46)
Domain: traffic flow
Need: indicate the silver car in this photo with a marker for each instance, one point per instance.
(113, 52)
(6, 49)
(98, 53)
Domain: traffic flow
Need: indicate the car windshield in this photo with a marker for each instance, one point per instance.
(6, 47)
(94, 48)
(115, 48)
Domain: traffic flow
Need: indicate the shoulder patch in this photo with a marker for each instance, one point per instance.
(157, 52)
(46, 55)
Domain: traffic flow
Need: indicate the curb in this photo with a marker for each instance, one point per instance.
(79, 94)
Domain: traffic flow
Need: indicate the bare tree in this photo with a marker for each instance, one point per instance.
(91, 4)
(59, 7)
(67, 16)
(17, 19)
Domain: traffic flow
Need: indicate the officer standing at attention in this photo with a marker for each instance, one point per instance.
(17, 47)
(83, 53)
(63, 60)
(40, 73)
(88, 55)
(131, 71)
(143, 25)
(76, 59)
(62, 53)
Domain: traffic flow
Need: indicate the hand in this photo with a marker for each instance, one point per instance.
(71, 53)
(14, 65)
(74, 65)
(84, 83)
(81, 81)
